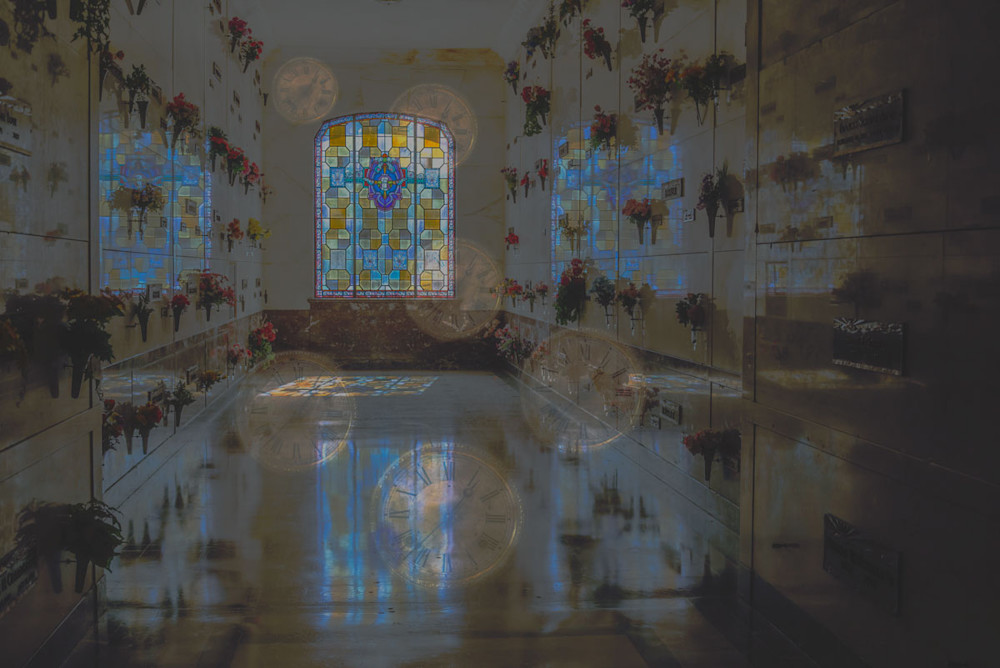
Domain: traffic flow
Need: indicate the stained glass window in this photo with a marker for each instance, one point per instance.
(385, 208)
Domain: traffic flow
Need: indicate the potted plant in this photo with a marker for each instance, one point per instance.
(218, 144)
(640, 10)
(250, 50)
(142, 310)
(603, 290)
(178, 399)
(237, 30)
(629, 299)
(112, 426)
(512, 74)
(571, 294)
(691, 312)
(84, 335)
(595, 44)
(257, 232)
(178, 304)
(537, 104)
(186, 117)
(213, 290)
(711, 442)
(713, 194)
(542, 169)
(638, 213)
(510, 178)
(89, 531)
(259, 342)
(653, 81)
(603, 129)
(233, 232)
(138, 85)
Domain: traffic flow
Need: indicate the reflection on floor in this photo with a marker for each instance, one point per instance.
(354, 386)
(444, 534)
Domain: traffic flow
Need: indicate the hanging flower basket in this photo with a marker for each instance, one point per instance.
(603, 129)
(654, 81)
(638, 213)
(218, 145)
(571, 294)
(237, 30)
(595, 44)
(186, 117)
(178, 304)
(641, 11)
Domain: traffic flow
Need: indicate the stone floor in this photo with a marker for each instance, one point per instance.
(439, 532)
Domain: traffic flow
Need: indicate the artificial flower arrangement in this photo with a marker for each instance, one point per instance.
(638, 213)
(178, 399)
(641, 11)
(542, 290)
(147, 418)
(218, 144)
(235, 355)
(542, 169)
(574, 231)
(136, 203)
(571, 294)
(186, 118)
(213, 290)
(595, 44)
(265, 191)
(712, 194)
(206, 379)
(691, 312)
(526, 183)
(512, 74)
(628, 297)
(653, 81)
(237, 30)
(89, 531)
(236, 163)
(257, 232)
(178, 304)
(711, 442)
(141, 310)
(36, 320)
(543, 37)
(250, 50)
(511, 345)
(537, 105)
(510, 178)
(603, 129)
(250, 176)
(603, 290)
(511, 240)
(259, 342)
(84, 336)
(112, 426)
(513, 290)
(233, 232)
(138, 85)
(529, 295)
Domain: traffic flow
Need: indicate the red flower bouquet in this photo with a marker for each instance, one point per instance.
(186, 118)
(237, 29)
(537, 101)
(653, 81)
(571, 295)
(595, 44)
(603, 129)
(259, 343)
(511, 240)
(638, 213)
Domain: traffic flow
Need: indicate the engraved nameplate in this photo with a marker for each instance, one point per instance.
(673, 189)
(872, 346)
(869, 124)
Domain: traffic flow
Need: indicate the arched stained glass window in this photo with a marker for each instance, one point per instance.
(385, 208)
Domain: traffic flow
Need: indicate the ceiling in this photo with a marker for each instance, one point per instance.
(398, 25)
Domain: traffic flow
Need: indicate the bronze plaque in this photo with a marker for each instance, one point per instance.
(673, 189)
(869, 124)
(670, 411)
(872, 346)
(867, 567)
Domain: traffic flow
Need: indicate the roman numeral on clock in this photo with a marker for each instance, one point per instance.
(489, 542)
(489, 495)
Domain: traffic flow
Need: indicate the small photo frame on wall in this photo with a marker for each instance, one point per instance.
(191, 287)
(563, 149)
(243, 284)
(154, 291)
(190, 207)
(163, 221)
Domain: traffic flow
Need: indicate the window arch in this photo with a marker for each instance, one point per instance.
(385, 208)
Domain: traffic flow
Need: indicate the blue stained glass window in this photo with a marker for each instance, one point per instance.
(385, 208)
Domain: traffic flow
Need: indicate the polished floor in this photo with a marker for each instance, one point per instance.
(438, 531)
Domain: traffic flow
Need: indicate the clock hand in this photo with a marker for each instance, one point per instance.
(466, 493)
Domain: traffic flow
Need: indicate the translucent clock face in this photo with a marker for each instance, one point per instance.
(445, 516)
(296, 412)
(304, 90)
(586, 391)
(441, 103)
(475, 304)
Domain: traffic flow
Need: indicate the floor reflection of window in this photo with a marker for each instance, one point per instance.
(356, 386)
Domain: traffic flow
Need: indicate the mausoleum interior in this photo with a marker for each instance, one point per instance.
(466, 333)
